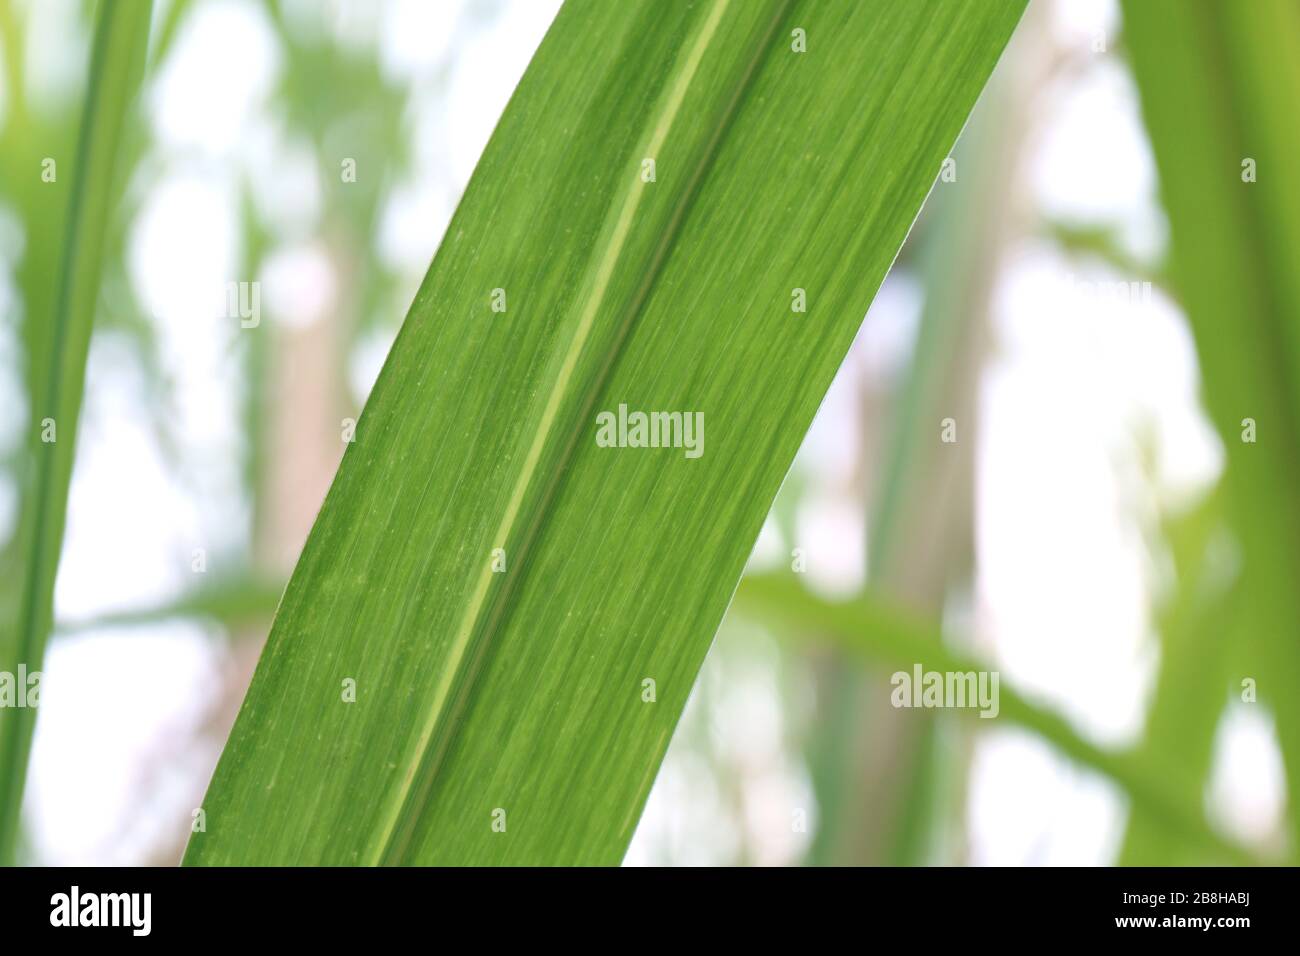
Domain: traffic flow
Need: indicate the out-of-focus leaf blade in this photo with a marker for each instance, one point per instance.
(236, 601)
(1192, 687)
(117, 65)
(893, 637)
(1219, 83)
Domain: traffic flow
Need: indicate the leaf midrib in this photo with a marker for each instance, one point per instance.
(483, 610)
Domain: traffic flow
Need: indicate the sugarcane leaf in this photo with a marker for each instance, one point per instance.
(891, 636)
(1228, 185)
(518, 611)
(58, 368)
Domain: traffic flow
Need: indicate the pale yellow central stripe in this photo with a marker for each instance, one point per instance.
(668, 110)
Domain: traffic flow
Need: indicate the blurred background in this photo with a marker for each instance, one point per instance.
(1075, 539)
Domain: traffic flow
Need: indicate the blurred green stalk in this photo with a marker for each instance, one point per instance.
(1219, 83)
(117, 67)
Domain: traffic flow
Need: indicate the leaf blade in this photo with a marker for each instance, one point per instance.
(1231, 241)
(536, 694)
(117, 67)
(893, 636)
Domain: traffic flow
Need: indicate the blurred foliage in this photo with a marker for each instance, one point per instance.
(58, 343)
(877, 629)
(1227, 178)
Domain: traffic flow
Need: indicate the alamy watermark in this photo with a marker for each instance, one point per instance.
(636, 429)
(75, 908)
(1104, 291)
(922, 688)
(243, 301)
(22, 689)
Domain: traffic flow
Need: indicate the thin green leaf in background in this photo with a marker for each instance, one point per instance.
(238, 602)
(508, 715)
(117, 66)
(1196, 624)
(1228, 183)
(893, 637)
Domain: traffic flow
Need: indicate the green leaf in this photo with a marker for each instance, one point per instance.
(518, 698)
(893, 637)
(238, 600)
(1195, 622)
(117, 66)
(1233, 245)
